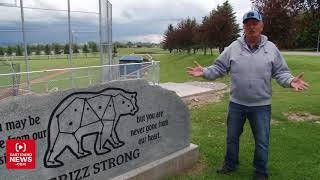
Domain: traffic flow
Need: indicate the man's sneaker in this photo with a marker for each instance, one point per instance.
(225, 170)
(258, 176)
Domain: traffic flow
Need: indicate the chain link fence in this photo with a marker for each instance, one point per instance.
(72, 25)
(9, 85)
(83, 77)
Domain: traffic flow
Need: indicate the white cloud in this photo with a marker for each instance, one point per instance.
(153, 38)
(145, 15)
(12, 14)
(127, 11)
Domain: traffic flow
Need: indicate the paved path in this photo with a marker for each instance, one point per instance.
(300, 53)
(193, 88)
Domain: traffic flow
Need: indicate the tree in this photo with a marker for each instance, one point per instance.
(19, 51)
(119, 44)
(93, 46)
(85, 48)
(75, 48)
(38, 49)
(279, 17)
(9, 51)
(47, 49)
(66, 49)
(222, 27)
(114, 51)
(308, 25)
(56, 48)
(202, 34)
(218, 29)
(185, 34)
(1, 51)
(168, 40)
(129, 44)
(29, 51)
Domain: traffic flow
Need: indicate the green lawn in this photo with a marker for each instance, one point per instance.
(294, 146)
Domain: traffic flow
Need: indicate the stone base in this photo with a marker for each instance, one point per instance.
(167, 166)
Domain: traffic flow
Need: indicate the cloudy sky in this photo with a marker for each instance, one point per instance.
(133, 20)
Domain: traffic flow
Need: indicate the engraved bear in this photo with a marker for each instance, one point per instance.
(87, 113)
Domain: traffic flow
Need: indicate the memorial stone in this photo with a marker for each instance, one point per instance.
(95, 133)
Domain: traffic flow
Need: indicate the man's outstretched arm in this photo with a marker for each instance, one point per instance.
(298, 84)
(281, 73)
(196, 71)
(219, 68)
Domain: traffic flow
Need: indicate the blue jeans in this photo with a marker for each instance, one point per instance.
(259, 118)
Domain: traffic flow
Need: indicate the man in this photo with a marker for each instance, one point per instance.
(252, 61)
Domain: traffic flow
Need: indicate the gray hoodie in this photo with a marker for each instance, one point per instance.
(251, 72)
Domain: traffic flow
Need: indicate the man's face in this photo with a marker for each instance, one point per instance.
(252, 28)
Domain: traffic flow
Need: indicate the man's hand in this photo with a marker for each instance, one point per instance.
(195, 71)
(298, 84)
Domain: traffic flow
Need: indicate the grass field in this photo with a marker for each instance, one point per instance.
(294, 146)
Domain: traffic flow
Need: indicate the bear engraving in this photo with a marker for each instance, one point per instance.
(84, 114)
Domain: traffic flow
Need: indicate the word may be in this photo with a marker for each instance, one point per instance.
(21, 124)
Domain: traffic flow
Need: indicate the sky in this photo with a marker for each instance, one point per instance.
(133, 20)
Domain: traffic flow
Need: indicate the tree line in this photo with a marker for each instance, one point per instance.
(216, 30)
(291, 23)
(48, 49)
(287, 23)
(56, 48)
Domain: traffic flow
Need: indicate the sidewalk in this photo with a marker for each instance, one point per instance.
(300, 53)
(192, 88)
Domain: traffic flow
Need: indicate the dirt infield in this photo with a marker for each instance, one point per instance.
(21, 89)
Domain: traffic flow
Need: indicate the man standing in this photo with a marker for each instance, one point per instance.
(252, 62)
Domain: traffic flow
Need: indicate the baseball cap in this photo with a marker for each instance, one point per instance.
(252, 14)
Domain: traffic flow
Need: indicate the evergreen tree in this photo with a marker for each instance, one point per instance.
(85, 48)
(168, 40)
(75, 48)
(19, 51)
(38, 49)
(9, 51)
(93, 46)
(66, 49)
(114, 51)
(29, 51)
(47, 49)
(56, 48)
(225, 26)
(1, 51)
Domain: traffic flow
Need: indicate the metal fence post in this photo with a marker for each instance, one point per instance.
(153, 72)
(90, 81)
(100, 38)
(47, 85)
(25, 45)
(70, 45)
(125, 70)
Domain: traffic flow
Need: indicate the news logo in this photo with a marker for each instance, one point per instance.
(21, 154)
(21, 147)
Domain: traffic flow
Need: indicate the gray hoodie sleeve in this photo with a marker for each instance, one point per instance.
(220, 67)
(280, 71)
